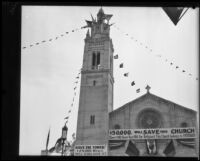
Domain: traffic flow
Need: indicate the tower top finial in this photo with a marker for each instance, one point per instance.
(147, 88)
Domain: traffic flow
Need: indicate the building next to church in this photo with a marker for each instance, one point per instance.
(96, 115)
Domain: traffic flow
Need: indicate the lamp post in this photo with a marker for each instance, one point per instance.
(64, 137)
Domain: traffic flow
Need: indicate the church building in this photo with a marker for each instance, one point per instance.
(96, 116)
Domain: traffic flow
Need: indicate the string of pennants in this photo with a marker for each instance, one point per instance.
(126, 74)
(77, 80)
(53, 39)
(156, 55)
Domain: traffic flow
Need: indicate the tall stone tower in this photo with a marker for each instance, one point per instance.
(96, 91)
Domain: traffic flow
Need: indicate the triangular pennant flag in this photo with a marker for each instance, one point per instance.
(116, 57)
(133, 83)
(132, 149)
(138, 90)
(126, 74)
(170, 149)
(121, 65)
(175, 13)
(67, 117)
(89, 23)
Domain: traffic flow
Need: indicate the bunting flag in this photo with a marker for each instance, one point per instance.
(69, 111)
(133, 83)
(190, 142)
(116, 144)
(121, 65)
(146, 47)
(67, 117)
(74, 88)
(132, 150)
(138, 90)
(170, 149)
(76, 82)
(47, 142)
(89, 23)
(77, 77)
(24, 47)
(175, 13)
(116, 57)
(126, 74)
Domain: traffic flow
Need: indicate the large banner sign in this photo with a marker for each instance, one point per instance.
(90, 150)
(160, 133)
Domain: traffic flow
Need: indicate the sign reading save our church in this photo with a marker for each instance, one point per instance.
(159, 133)
(90, 150)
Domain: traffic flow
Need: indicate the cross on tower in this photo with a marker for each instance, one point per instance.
(147, 88)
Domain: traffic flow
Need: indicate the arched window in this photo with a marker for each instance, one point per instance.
(93, 59)
(117, 126)
(94, 82)
(92, 120)
(98, 58)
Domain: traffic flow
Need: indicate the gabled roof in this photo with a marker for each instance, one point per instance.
(152, 96)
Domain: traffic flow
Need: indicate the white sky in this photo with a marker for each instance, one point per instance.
(48, 70)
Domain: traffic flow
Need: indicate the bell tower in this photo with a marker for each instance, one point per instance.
(96, 91)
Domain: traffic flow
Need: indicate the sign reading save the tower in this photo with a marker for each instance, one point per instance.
(160, 133)
(90, 150)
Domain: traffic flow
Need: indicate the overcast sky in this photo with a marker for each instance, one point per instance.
(49, 70)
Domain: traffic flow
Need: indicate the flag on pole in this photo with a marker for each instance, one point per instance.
(126, 74)
(121, 65)
(47, 143)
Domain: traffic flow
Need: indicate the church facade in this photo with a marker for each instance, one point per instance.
(96, 116)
